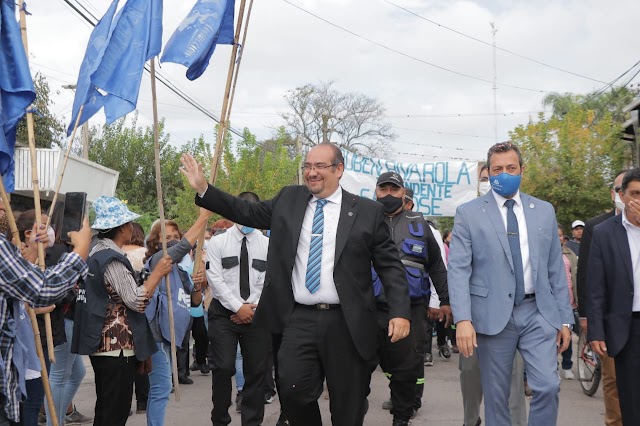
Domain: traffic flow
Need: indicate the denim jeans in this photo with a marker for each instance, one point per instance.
(159, 385)
(239, 372)
(65, 375)
(31, 405)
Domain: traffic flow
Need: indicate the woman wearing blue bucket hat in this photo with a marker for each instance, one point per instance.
(110, 324)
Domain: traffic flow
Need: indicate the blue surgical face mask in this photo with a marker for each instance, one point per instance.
(505, 184)
(245, 229)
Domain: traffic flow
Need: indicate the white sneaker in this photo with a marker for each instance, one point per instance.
(568, 374)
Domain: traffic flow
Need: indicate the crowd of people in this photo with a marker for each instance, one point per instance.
(317, 287)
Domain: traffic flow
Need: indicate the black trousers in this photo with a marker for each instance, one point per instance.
(316, 344)
(424, 320)
(628, 376)
(142, 390)
(199, 333)
(182, 354)
(269, 382)
(402, 361)
(224, 336)
(114, 378)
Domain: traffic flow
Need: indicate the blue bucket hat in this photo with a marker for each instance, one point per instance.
(111, 213)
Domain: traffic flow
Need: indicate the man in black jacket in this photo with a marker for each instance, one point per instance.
(317, 290)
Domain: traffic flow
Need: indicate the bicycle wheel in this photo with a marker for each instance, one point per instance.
(589, 372)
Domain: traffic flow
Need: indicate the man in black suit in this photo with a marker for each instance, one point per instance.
(612, 416)
(318, 288)
(613, 301)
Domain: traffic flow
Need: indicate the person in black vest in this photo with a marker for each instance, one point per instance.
(110, 324)
(419, 252)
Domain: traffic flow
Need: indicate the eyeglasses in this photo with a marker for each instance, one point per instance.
(484, 179)
(318, 167)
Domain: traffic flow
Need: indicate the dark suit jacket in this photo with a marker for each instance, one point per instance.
(363, 238)
(583, 259)
(610, 285)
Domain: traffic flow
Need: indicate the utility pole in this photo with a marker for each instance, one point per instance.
(635, 119)
(494, 30)
(325, 128)
(299, 152)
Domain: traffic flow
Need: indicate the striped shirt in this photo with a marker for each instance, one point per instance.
(21, 280)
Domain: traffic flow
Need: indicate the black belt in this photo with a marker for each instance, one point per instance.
(319, 306)
(530, 296)
(635, 314)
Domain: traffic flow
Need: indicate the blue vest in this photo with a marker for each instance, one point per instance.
(158, 307)
(410, 237)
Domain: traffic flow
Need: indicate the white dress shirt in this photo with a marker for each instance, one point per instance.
(633, 235)
(225, 282)
(327, 292)
(518, 210)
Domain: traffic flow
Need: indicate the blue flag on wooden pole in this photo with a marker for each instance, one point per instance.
(16, 88)
(112, 68)
(209, 23)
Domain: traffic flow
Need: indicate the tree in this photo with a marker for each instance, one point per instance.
(319, 113)
(48, 130)
(571, 160)
(130, 150)
(598, 101)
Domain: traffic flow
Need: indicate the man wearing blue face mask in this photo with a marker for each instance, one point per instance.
(507, 283)
(237, 264)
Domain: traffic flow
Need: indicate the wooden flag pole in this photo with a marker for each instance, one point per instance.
(35, 181)
(217, 155)
(64, 167)
(163, 232)
(32, 315)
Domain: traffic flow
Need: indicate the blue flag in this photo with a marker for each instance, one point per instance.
(112, 68)
(209, 23)
(16, 88)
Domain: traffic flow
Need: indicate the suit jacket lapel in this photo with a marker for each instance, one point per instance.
(348, 214)
(299, 208)
(623, 245)
(532, 232)
(493, 211)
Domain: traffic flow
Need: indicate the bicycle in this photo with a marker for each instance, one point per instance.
(589, 369)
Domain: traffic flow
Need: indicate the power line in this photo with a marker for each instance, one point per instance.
(443, 133)
(406, 55)
(413, 154)
(454, 148)
(462, 114)
(93, 20)
(490, 45)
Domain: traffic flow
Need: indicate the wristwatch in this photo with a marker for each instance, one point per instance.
(569, 326)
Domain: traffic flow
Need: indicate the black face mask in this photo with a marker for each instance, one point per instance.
(391, 204)
(169, 244)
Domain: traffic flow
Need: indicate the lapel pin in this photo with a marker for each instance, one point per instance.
(350, 213)
(531, 206)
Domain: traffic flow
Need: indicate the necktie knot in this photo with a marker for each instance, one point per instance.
(510, 204)
(321, 202)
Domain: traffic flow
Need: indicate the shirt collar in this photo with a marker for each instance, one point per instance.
(501, 200)
(106, 243)
(239, 235)
(626, 223)
(335, 198)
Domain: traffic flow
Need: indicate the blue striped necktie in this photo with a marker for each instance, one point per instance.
(513, 235)
(314, 265)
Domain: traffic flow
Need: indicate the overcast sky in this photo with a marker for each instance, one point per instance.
(287, 48)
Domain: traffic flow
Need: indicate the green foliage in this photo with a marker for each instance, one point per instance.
(130, 150)
(598, 102)
(570, 161)
(48, 129)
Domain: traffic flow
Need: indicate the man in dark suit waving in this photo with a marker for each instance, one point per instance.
(318, 289)
(613, 299)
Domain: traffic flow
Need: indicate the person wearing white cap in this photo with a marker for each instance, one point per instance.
(109, 323)
(576, 232)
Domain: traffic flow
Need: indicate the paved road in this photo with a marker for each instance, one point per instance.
(442, 401)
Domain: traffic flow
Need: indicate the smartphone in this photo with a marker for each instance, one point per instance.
(75, 209)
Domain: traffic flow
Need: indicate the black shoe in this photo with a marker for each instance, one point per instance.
(239, 402)
(269, 397)
(282, 421)
(184, 380)
(400, 422)
(478, 423)
(194, 366)
(444, 351)
(204, 368)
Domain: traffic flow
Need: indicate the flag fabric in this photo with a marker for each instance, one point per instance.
(16, 88)
(112, 68)
(209, 23)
